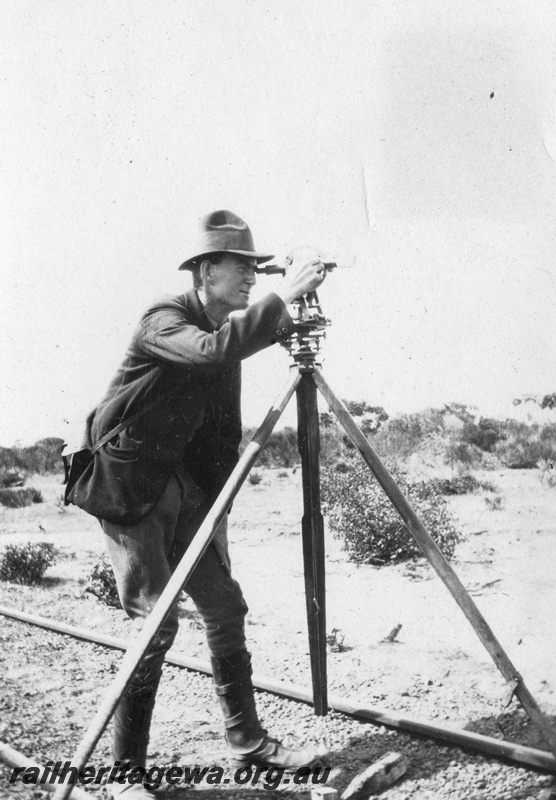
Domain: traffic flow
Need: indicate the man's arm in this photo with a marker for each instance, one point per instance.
(171, 334)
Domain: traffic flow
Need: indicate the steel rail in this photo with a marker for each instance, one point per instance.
(448, 735)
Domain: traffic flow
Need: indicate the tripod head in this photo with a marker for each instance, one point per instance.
(310, 329)
(310, 322)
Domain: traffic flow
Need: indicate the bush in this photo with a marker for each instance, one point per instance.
(485, 433)
(27, 563)
(368, 418)
(255, 478)
(45, 456)
(463, 484)
(526, 445)
(401, 436)
(462, 455)
(280, 449)
(495, 503)
(18, 498)
(101, 583)
(366, 521)
(11, 476)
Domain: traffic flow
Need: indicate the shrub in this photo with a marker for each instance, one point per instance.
(518, 455)
(463, 484)
(371, 529)
(18, 498)
(462, 455)
(280, 449)
(11, 476)
(487, 486)
(495, 503)
(44, 456)
(255, 478)
(27, 563)
(101, 583)
(368, 418)
(526, 445)
(485, 433)
(404, 435)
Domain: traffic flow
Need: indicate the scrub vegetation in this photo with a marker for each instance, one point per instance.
(19, 498)
(101, 582)
(432, 454)
(371, 529)
(27, 563)
(43, 457)
(453, 436)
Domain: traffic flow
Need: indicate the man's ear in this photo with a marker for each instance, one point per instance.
(205, 270)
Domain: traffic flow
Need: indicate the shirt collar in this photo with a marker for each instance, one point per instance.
(214, 326)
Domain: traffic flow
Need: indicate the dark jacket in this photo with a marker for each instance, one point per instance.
(175, 354)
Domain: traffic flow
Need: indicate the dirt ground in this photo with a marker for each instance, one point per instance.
(436, 670)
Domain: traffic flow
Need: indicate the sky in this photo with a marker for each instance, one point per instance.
(413, 141)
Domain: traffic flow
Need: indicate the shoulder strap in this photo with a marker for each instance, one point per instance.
(129, 421)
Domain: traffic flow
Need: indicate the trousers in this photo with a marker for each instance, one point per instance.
(144, 556)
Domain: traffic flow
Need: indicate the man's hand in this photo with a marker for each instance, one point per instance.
(220, 541)
(300, 280)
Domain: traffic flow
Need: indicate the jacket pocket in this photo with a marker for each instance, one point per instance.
(124, 446)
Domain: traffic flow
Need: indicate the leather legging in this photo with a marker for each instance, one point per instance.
(144, 556)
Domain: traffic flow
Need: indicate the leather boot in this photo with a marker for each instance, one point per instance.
(132, 722)
(248, 742)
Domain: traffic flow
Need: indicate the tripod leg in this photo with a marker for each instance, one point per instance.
(439, 563)
(313, 537)
(174, 586)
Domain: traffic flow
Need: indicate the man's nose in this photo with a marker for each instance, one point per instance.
(251, 277)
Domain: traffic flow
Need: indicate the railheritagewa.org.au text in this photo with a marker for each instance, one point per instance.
(266, 777)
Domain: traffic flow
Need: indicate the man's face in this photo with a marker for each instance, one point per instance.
(231, 282)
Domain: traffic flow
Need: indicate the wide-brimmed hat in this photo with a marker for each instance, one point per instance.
(224, 232)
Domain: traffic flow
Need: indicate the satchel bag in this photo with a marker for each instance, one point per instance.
(109, 482)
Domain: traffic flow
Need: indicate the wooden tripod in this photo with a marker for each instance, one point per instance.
(305, 378)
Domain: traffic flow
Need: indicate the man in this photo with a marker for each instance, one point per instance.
(170, 464)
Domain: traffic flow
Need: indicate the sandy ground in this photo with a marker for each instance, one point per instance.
(436, 670)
